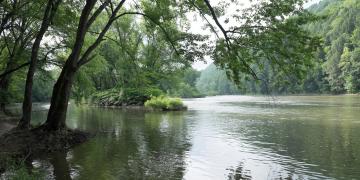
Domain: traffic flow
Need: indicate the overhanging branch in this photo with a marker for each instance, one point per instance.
(156, 23)
(227, 39)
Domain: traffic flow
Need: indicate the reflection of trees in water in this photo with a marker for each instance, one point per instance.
(239, 173)
(61, 169)
(132, 144)
(321, 136)
(54, 166)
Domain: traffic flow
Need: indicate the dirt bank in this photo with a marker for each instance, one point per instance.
(23, 144)
(7, 123)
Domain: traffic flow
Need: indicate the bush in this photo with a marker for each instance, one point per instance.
(165, 104)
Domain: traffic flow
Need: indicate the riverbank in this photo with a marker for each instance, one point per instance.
(6, 125)
(36, 140)
(20, 145)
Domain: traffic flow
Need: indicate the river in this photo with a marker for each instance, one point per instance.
(222, 137)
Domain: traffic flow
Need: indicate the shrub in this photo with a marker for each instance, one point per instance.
(165, 103)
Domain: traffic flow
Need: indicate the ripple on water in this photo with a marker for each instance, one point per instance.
(226, 137)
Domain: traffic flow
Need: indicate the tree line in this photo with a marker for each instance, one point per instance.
(335, 69)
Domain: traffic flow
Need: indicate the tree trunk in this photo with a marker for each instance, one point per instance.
(59, 101)
(61, 166)
(50, 11)
(4, 84)
(24, 122)
(61, 93)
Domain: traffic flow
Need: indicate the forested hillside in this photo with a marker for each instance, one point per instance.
(336, 68)
(213, 81)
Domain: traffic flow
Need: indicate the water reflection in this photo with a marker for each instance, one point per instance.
(239, 173)
(61, 169)
(231, 137)
(130, 144)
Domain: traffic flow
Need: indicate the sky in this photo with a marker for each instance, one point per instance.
(196, 25)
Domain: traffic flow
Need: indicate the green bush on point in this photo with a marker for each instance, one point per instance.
(165, 103)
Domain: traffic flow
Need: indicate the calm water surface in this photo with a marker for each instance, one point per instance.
(224, 137)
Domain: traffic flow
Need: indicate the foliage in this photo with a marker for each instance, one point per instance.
(269, 33)
(340, 31)
(146, 60)
(127, 96)
(165, 103)
(185, 86)
(43, 83)
(185, 90)
(129, 46)
(335, 68)
(214, 81)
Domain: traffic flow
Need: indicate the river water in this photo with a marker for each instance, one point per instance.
(222, 137)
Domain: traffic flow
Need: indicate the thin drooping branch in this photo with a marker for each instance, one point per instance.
(236, 29)
(20, 40)
(204, 17)
(117, 42)
(212, 11)
(45, 59)
(81, 62)
(7, 17)
(228, 42)
(156, 23)
(13, 70)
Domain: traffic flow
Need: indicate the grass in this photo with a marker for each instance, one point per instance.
(19, 171)
(165, 103)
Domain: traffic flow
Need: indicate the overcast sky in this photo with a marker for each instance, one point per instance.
(197, 24)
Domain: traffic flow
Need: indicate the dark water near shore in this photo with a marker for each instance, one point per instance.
(225, 137)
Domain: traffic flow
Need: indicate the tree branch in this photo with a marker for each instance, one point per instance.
(203, 15)
(97, 13)
(83, 60)
(158, 24)
(227, 39)
(15, 69)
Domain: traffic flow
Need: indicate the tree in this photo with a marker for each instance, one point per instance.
(49, 14)
(16, 32)
(339, 28)
(270, 31)
(61, 93)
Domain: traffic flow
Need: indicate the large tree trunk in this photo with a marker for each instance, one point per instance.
(59, 101)
(61, 93)
(49, 14)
